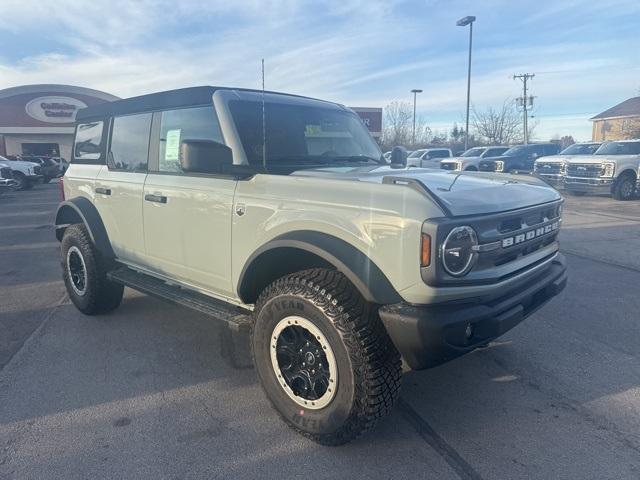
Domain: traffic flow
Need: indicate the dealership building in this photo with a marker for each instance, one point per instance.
(39, 119)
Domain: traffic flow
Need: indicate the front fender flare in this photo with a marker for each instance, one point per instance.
(365, 275)
(81, 210)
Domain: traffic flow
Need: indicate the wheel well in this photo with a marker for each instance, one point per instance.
(274, 264)
(627, 172)
(66, 216)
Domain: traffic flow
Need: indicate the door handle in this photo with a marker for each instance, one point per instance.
(155, 198)
(103, 191)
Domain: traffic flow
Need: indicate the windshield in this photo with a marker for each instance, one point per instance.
(513, 151)
(300, 137)
(417, 153)
(474, 152)
(619, 148)
(580, 149)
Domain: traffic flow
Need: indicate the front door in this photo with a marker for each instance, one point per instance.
(187, 217)
(118, 186)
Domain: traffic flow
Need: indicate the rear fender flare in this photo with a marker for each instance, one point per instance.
(82, 210)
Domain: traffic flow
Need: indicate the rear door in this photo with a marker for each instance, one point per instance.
(119, 184)
(187, 216)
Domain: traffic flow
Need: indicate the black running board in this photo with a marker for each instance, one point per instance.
(235, 317)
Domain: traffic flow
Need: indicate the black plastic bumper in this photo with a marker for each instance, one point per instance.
(429, 335)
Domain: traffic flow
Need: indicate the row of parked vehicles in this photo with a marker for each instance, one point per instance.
(22, 172)
(591, 167)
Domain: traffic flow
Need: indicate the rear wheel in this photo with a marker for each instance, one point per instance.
(625, 187)
(323, 356)
(85, 274)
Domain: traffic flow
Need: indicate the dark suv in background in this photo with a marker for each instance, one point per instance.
(518, 159)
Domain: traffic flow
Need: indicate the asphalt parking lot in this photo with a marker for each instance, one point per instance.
(144, 392)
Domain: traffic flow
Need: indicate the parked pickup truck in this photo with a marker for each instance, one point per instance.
(277, 215)
(553, 168)
(518, 159)
(470, 159)
(428, 157)
(26, 174)
(613, 169)
(6, 178)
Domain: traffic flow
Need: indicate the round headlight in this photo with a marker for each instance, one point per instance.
(458, 255)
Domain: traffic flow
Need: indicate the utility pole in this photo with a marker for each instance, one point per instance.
(524, 77)
(463, 22)
(415, 91)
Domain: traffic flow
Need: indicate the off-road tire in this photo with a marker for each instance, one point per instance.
(368, 364)
(624, 187)
(101, 295)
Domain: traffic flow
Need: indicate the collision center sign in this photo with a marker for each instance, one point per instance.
(54, 109)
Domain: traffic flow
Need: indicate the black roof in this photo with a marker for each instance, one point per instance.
(628, 108)
(182, 97)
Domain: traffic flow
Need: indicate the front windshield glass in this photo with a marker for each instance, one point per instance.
(580, 149)
(474, 152)
(417, 153)
(619, 148)
(513, 151)
(300, 137)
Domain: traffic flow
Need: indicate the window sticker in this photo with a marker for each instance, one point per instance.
(172, 146)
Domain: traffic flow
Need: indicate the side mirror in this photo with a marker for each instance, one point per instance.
(398, 157)
(205, 156)
(534, 155)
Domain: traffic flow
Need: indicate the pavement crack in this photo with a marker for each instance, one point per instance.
(464, 470)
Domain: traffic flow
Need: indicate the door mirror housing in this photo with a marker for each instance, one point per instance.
(205, 156)
(398, 157)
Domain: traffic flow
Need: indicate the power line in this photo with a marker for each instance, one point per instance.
(524, 99)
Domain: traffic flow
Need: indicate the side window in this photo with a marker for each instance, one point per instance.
(551, 149)
(198, 123)
(88, 141)
(439, 153)
(537, 149)
(130, 143)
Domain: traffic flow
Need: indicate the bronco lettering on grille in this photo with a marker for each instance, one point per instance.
(530, 235)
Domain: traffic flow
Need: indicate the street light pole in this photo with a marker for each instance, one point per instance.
(463, 22)
(415, 91)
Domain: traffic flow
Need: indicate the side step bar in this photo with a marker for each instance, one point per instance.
(236, 318)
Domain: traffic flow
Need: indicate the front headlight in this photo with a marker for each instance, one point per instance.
(30, 170)
(563, 168)
(499, 166)
(458, 166)
(458, 254)
(607, 169)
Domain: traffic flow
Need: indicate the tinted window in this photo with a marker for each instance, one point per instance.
(198, 123)
(474, 152)
(619, 148)
(551, 149)
(130, 142)
(539, 149)
(416, 153)
(88, 141)
(495, 152)
(440, 154)
(580, 149)
(302, 136)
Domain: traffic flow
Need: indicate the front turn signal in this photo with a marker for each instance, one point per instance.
(425, 250)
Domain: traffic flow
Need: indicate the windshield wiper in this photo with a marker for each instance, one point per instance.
(359, 159)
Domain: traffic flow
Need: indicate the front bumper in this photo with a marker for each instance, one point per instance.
(429, 335)
(587, 185)
(555, 180)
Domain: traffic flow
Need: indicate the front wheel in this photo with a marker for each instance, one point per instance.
(323, 356)
(625, 187)
(22, 180)
(85, 274)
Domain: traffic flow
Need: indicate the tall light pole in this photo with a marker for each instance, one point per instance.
(415, 91)
(463, 22)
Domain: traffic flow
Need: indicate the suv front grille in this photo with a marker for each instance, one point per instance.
(5, 172)
(548, 168)
(584, 170)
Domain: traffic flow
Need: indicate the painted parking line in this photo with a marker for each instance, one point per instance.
(30, 246)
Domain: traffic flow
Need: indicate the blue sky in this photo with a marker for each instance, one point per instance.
(585, 54)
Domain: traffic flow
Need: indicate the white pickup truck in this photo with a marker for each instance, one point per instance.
(25, 174)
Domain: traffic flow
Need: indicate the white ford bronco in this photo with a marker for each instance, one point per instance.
(278, 215)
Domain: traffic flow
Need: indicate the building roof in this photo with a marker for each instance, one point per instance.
(56, 88)
(628, 108)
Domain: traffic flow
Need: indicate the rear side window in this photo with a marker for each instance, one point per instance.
(198, 123)
(130, 143)
(439, 153)
(88, 141)
(494, 152)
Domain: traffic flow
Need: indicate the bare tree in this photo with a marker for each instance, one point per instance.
(499, 126)
(398, 123)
